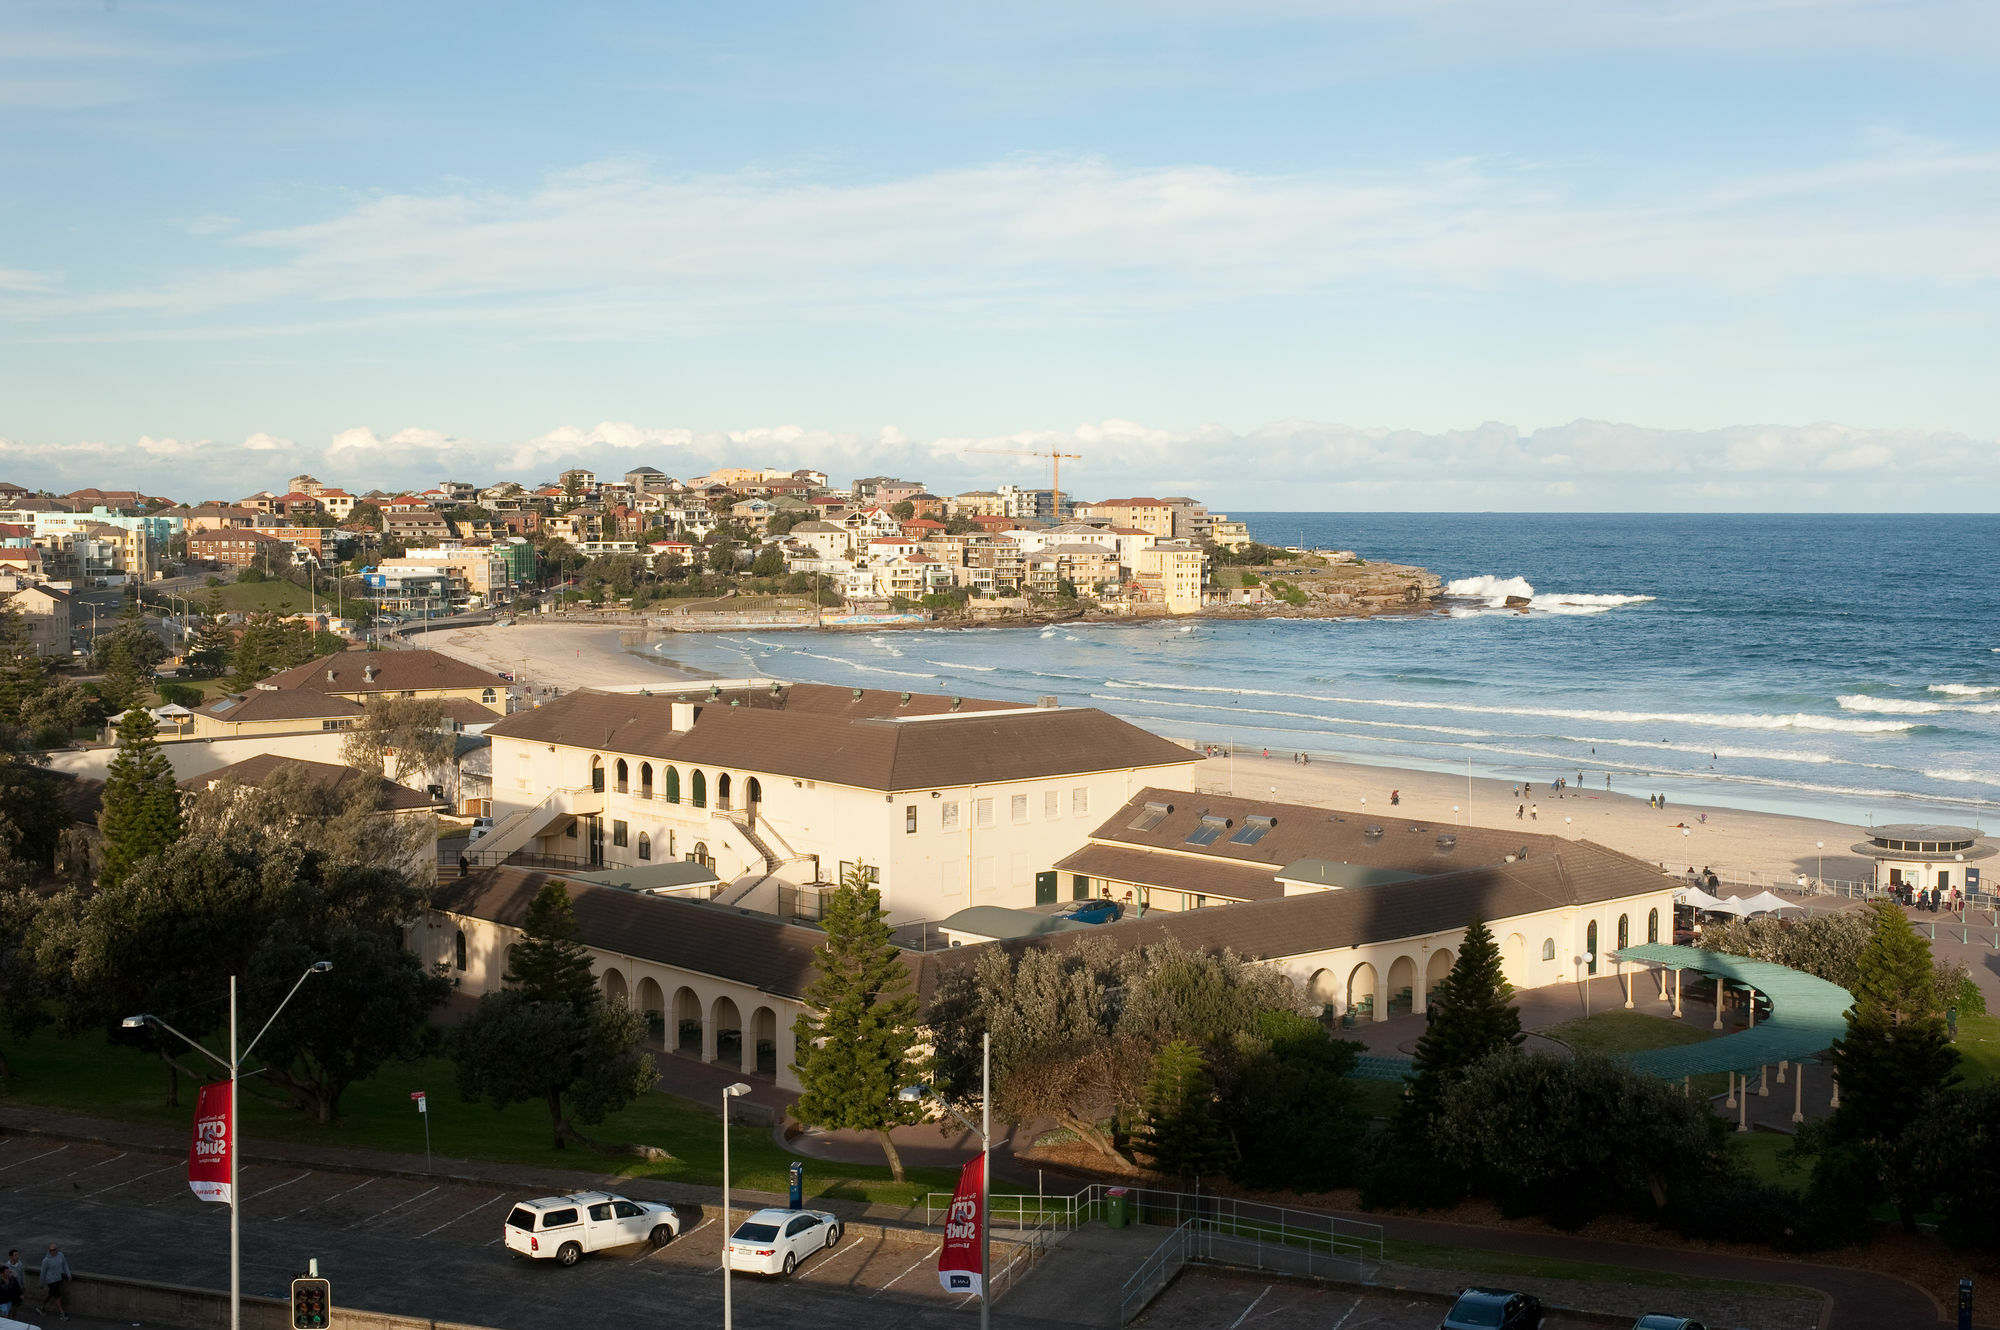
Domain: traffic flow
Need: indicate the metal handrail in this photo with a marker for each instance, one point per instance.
(1311, 1230)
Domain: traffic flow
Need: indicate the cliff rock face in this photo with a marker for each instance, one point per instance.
(1338, 590)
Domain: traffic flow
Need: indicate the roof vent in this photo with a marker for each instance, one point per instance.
(1446, 844)
(735, 702)
(368, 673)
(777, 689)
(1373, 831)
(714, 691)
(1507, 859)
(1521, 853)
(329, 674)
(1047, 702)
(957, 702)
(857, 694)
(906, 699)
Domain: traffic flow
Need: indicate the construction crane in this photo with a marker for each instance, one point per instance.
(1055, 462)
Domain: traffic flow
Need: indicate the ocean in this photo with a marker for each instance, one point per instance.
(1838, 666)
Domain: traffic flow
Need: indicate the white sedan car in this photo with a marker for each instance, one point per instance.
(773, 1242)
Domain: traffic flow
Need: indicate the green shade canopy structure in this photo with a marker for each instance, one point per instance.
(1807, 1014)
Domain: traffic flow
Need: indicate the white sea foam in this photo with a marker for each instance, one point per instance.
(871, 669)
(1961, 774)
(1492, 593)
(1965, 689)
(1893, 706)
(1795, 721)
(955, 665)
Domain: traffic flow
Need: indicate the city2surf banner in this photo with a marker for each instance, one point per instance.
(958, 1258)
(208, 1153)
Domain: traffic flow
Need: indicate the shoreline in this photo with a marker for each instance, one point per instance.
(1754, 844)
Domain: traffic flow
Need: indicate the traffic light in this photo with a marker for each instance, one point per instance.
(312, 1304)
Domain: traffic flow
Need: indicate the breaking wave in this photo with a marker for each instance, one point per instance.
(1893, 706)
(1492, 594)
(1964, 689)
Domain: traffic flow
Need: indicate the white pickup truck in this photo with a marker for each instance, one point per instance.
(563, 1228)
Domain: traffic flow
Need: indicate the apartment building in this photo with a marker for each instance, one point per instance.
(1169, 574)
(1155, 516)
(44, 611)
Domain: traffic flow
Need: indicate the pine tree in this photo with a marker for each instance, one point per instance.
(142, 805)
(1181, 1133)
(24, 676)
(858, 1038)
(1897, 1052)
(208, 654)
(1471, 1016)
(549, 964)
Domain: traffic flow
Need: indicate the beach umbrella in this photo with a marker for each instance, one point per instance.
(1696, 897)
(1765, 902)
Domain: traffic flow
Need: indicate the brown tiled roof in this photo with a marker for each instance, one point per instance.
(817, 732)
(256, 770)
(395, 671)
(1203, 877)
(272, 704)
(468, 712)
(752, 949)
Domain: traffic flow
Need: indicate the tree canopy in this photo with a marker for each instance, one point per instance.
(142, 803)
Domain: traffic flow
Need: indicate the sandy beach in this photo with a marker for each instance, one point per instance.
(1760, 847)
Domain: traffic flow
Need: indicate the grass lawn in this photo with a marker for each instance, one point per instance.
(1507, 1263)
(1614, 1032)
(1378, 1099)
(1760, 1153)
(257, 597)
(88, 1075)
(1979, 1048)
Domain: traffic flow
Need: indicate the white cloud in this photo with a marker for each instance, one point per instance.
(1284, 465)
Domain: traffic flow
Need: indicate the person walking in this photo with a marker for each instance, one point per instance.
(55, 1280)
(1535, 813)
(1520, 811)
(11, 1291)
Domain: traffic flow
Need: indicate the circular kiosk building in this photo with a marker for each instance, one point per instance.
(1927, 857)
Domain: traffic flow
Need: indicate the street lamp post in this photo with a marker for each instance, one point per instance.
(1819, 883)
(233, 1065)
(910, 1094)
(728, 1093)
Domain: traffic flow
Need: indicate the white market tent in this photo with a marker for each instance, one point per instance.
(1698, 898)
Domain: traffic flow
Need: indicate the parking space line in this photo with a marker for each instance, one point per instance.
(1244, 1315)
(129, 1181)
(927, 1256)
(367, 1219)
(336, 1196)
(467, 1215)
(32, 1158)
(286, 1183)
(1350, 1311)
(73, 1172)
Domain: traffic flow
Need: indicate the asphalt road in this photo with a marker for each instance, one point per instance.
(432, 1250)
(1199, 1300)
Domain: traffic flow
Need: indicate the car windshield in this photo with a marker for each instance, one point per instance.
(1477, 1311)
(522, 1219)
(765, 1232)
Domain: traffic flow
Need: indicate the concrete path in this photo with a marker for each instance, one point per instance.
(1082, 1279)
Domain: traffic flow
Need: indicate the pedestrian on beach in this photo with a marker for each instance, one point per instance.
(11, 1291)
(1535, 813)
(55, 1280)
(1520, 811)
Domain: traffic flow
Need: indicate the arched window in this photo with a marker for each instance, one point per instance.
(645, 780)
(1548, 948)
(1590, 946)
(458, 951)
(753, 792)
(673, 785)
(488, 697)
(1653, 926)
(624, 774)
(645, 846)
(722, 791)
(698, 790)
(700, 855)
(596, 773)
(1624, 932)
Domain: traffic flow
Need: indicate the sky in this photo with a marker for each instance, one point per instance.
(1651, 255)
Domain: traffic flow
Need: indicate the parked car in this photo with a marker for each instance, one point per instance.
(1493, 1309)
(480, 826)
(1657, 1321)
(563, 1228)
(773, 1242)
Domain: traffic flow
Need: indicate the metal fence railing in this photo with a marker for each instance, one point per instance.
(1158, 1270)
(1216, 1242)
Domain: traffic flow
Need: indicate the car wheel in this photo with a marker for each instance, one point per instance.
(662, 1235)
(832, 1234)
(568, 1254)
(791, 1262)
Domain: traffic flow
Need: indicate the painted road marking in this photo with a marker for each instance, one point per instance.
(316, 1204)
(927, 1256)
(366, 1219)
(35, 1157)
(1244, 1315)
(286, 1183)
(467, 1215)
(74, 1172)
(1350, 1311)
(129, 1181)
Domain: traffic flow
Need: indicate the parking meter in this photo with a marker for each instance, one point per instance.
(799, 1186)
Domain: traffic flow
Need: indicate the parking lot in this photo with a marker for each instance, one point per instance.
(1203, 1300)
(421, 1248)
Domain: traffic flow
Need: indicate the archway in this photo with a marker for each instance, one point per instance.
(1514, 960)
(615, 990)
(1653, 925)
(1590, 947)
(698, 790)
(645, 780)
(753, 798)
(673, 785)
(1436, 967)
(728, 1032)
(458, 951)
(687, 1022)
(653, 1007)
(596, 773)
(1402, 984)
(1323, 991)
(722, 791)
(624, 776)
(764, 1033)
(1624, 932)
(1361, 994)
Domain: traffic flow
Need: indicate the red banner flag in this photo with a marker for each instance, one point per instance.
(958, 1259)
(214, 1138)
